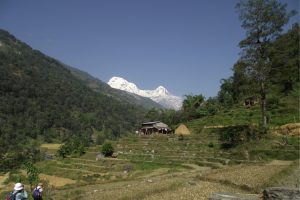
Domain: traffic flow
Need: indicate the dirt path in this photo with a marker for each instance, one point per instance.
(197, 167)
(280, 162)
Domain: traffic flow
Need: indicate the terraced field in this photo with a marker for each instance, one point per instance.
(161, 167)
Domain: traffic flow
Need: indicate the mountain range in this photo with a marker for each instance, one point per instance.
(99, 86)
(160, 95)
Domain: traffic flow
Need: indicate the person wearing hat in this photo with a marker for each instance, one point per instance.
(37, 192)
(19, 192)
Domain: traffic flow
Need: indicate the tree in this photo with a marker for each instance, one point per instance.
(152, 115)
(242, 83)
(225, 95)
(263, 21)
(285, 56)
(192, 101)
(32, 174)
(191, 105)
(63, 151)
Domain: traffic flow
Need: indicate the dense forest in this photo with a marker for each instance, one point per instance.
(40, 100)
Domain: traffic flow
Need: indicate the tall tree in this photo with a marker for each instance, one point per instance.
(190, 106)
(285, 57)
(192, 101)
(263, 21)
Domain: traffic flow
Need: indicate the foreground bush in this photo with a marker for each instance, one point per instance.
(107, 150)
(236, 135)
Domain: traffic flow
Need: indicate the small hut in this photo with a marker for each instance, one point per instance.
(155, 127)
(250, 101)
(182, 130)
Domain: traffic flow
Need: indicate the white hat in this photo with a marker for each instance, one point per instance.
(39, 188)
(18, 186)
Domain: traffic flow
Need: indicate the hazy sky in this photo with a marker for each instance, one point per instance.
(188, 46)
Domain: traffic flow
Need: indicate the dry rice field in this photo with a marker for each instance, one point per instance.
(196, 183)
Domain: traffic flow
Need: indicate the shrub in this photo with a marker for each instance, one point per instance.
(236, 135)
(72, 147)
(107, 150)
(63, 151)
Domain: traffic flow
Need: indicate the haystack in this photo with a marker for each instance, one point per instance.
(182, 130)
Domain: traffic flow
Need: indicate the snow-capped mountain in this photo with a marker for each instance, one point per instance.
(159, 95)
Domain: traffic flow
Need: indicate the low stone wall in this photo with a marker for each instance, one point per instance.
(228, 196)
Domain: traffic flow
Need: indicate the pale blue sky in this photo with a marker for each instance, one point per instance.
(188, 46)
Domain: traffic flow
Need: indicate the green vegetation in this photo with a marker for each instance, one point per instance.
(235, 135)
(73, 147)
(41, 100)
(107, 149)
(32, 174)
(261, 29)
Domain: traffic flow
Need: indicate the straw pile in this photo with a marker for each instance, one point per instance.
(182, 130)
(292, 129)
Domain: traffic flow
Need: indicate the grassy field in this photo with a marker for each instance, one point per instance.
(170, 167)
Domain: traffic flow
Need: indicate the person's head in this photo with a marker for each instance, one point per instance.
(19, 187)
(40, 187)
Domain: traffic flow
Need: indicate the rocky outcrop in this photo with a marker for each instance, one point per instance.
(278, 193)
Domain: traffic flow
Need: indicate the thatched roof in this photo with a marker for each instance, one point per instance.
(182, 130)
(156, 124)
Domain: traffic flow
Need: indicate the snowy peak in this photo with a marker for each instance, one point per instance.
(160, 95)
(122, 84)
(160, 90)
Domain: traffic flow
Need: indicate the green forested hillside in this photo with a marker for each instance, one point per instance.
(41, 99)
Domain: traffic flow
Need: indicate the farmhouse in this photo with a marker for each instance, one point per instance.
(155, 127)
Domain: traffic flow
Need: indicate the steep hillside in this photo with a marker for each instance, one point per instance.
(41, 99)
(101, 87)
